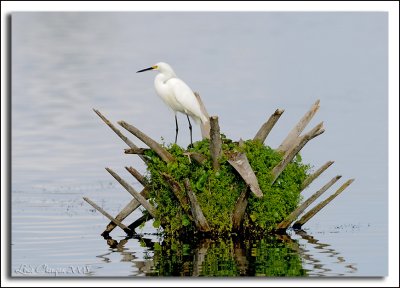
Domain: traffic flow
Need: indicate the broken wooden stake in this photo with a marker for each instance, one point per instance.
(215, 142)
(263, 133)
(240, 209)
(134, 193)
(102, 211)
(316, 209)
(135, 173)
(315, 175)
(118, 132)
(164, 154)
(198, 216)
(241, 164)
(296, 131)
(292, 216)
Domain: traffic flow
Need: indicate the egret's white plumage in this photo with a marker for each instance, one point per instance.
(177, 95)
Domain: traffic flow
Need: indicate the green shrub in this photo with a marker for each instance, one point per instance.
(217, 192)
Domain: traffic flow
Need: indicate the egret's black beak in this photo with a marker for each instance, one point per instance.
(147, 69)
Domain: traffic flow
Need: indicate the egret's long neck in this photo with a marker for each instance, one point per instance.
(165, 76)
(162, 78)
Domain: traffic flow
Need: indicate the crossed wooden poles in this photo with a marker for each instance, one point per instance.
(289, 147)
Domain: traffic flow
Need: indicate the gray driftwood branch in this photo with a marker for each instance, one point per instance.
(290, 154)
(164, 154)
(142, 200)
(315, 175)
(292, 216)
(296, 131)
(102, 211)
(118, 132)
(316, 209)
(135, 173)
(266, 128)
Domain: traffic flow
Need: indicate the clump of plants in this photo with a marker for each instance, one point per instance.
(218, 191)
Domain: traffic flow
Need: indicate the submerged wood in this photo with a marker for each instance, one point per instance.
(296, 131)
(200, 255)
(138, 151)
(139, 221)
(102, 211)
(150, 208)
(241, 164)
(315, 175)
(289, 155)
(205, 127)
(215, 142)
(199, 220)
(292, 216)
(135, 173)
(266, 128)
(180, 195)
(240, 209)
(126, 211)
(118, 132)
(240, 258)
(316, 209)
(164, 154)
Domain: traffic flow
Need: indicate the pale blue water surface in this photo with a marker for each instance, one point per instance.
(245, 65)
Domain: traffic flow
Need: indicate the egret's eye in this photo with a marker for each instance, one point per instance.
(155, 67)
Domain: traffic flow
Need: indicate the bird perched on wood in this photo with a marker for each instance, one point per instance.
(178, 96)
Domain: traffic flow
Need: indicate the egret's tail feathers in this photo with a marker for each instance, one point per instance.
(205, 118)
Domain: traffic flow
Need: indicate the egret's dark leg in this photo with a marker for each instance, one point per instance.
(176, 130)
(190, 128)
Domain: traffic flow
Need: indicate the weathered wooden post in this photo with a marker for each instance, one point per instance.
(215, 142)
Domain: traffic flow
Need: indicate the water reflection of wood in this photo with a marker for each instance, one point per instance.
(322, 248)
(289, 148)
(199, 256)
(278, 255)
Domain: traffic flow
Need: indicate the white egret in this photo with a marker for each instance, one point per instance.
(177, 95)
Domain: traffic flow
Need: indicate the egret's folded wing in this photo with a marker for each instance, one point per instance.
(185, 97)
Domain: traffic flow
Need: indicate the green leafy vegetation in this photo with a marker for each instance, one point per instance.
(218, 191)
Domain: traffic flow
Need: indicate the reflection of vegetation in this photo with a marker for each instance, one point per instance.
(226, 257)
(275, 259)
(274, 255)
(217, 192)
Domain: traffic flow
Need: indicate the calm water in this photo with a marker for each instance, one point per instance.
(245, 65)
